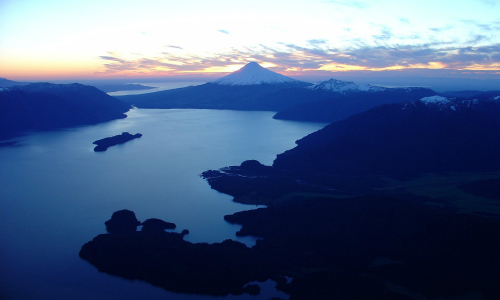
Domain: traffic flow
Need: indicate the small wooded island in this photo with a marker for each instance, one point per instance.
(105, 143)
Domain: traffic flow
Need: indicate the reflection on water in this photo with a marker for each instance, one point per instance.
(56, 193)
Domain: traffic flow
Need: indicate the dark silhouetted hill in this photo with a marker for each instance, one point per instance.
(166, 260)
(45, 106)
(216, 96)
(334, 100)
(8, 83)
(434, 134)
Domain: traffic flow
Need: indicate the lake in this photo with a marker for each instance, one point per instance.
(157, 86)
(56, 193)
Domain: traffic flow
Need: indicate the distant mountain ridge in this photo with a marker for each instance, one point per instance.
(431, 135)
(8, 83)
(122, 87)
(45, 106)
(338, 99)
(343, 87)
(250, 88)
(256, 88)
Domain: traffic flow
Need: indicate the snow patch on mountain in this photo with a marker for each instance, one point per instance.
(454, 104)
(435, 100)
(470, 102)
(252, 73)
(341, 86)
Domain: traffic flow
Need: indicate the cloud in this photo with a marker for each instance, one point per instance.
(441, 29)
(223, 31)
(350, 3)
(490, 2)
(385, 34)
(315, 55)
(175, 47)
(404, 20)
(491, 27)
(111, 58)
(317, 42)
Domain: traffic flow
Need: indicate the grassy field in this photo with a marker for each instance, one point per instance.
(444, 190)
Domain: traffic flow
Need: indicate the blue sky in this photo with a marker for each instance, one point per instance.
(55, 39)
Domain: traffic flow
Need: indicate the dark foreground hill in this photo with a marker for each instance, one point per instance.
(337, 106)
(371, 247)
(431, 135)
(420, 244)
(44, 106)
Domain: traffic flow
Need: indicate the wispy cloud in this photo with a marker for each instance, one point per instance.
(174, 47)
(111, 58)
(317, 42)
(490, 2)
(441, 29)
(385, 34)
(291, 58)
(355, 4)
(223, 31)
(404, 20)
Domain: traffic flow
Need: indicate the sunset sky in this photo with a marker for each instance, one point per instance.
(57, 39)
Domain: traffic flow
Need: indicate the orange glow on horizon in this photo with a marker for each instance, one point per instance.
(60, 70)
(224, 69)
(482, 67)
(347, 68)
(342, 68)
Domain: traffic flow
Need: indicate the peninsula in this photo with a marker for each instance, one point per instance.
(395, 203)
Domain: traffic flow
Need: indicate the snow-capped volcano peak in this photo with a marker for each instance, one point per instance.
(252, 73)
(341, 86)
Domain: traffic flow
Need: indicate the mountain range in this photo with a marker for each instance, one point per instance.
(44, 106)
(8, 83)
(338, 99)
(250, 88)
(256, 88)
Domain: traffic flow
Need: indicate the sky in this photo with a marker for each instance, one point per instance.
(66, 39)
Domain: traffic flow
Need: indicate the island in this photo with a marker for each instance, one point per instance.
(105, 143)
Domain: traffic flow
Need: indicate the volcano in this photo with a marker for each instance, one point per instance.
(253, 73)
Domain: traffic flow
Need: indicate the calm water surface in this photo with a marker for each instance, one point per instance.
(56, 193)
(158, 86)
